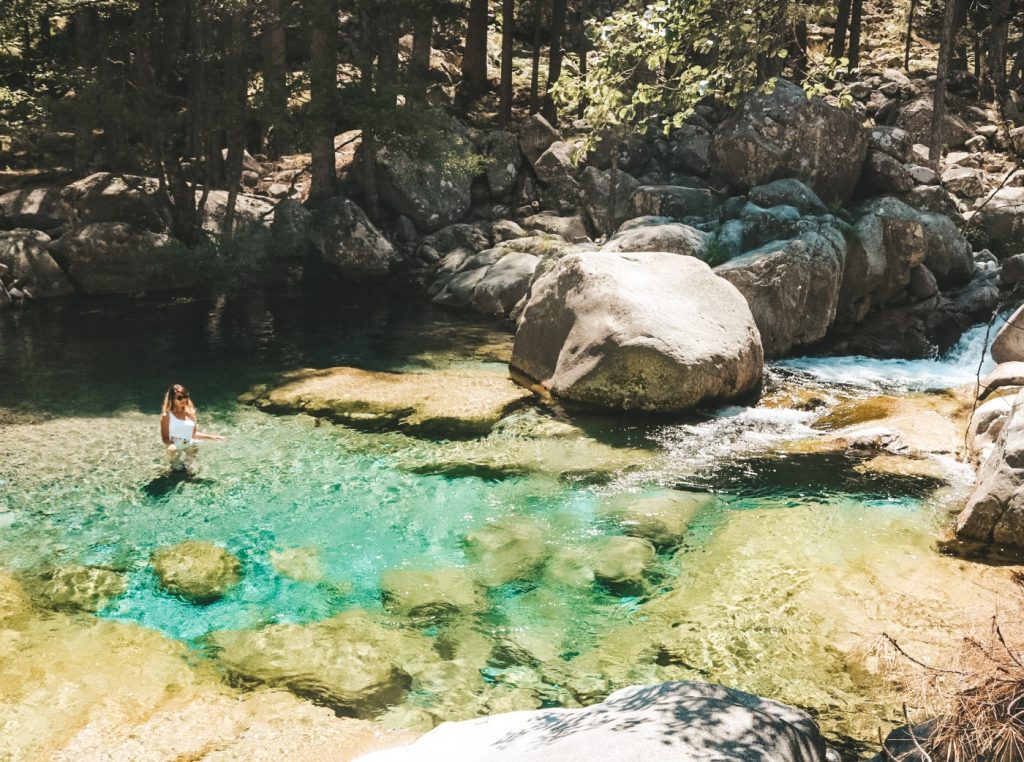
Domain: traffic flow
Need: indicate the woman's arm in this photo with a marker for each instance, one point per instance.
(200, 436)
(165, 434)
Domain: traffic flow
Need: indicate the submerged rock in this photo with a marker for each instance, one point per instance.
(197, 571)
(663, 518)
(508, 550)
(350, 662)
(435, 593)
(646, 331)
(76, 587)
(621, 563)
(299, 564)
(670, 721)
(452, 402)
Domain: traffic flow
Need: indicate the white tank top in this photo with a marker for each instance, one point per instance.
(180, 431)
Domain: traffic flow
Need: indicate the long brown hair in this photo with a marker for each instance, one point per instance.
(169, 395)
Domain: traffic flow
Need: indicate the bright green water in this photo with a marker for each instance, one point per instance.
(81, 481)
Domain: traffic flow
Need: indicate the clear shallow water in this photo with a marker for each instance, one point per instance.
(83, 483)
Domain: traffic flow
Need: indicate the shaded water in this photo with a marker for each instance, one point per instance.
(794, 562)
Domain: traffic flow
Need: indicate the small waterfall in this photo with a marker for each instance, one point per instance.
(957, 367)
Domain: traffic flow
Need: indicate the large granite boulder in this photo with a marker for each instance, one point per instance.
(35, 208)
(502, 148)
(1008, 345)
(994, 514)
(596, 195)
(109, 197)
(787, 192)
(349, 662)
(648, 331)
(784, 134)
(252, 213)
(1000, 220)
(197, 571)
(655, 723)
(792, 287)
(455, 402)
(350, 243)
(26, 255)
(118, 258)
(535, 137)
(424, 190)
(672, 237)
(676, 201)
(916, 119)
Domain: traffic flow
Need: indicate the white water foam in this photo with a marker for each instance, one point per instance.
(957, 367)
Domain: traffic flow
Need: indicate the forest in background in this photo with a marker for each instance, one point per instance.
(180, 90)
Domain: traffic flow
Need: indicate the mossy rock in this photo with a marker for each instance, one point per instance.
(197, 571)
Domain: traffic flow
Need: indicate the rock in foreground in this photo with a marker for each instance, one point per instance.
(671, 721)
(450, 402)
(648, 331)
(200, 572)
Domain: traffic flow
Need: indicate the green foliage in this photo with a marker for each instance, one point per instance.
(241, 263)
(717, 254)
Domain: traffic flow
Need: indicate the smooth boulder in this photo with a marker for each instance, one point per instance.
(672, 237)
(110, 197)
(792, 287)
(666, 722)
(26, 255)
(1008, 345)
(784, 134)
(117, 258)
(35, 208)
(197, 571)
(994, 514)
(426, 191)
(647, 331)
(350, 243)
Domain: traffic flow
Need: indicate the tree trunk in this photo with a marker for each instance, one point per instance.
(474, 57)
(910, 34)
(799, 51)
(1018, 67)
(422, 41)
(998, 33)
(323, 75)
(368, 154)
(388, 30)
(856, 13)
(584, 44)
(84, 28)
(505, 90)
(941, 78)
(236, 81)
(842, 21)
(275, 82)
(559, 9)
(538, 8)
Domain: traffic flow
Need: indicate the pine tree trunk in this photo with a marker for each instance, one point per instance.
(505, 90)
(84, 23)
(419, 63)
(275, 83)
(842, 21)
(367, 165)
(856, 14)
(799, 51)
(323, 75)
(474, 57)
(236, 81)
(559, 10)
(941, 78)
(998, 33)
(584, 44)
(538, 8)
(910, 34)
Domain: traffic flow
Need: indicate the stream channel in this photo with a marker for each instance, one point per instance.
(779, 574)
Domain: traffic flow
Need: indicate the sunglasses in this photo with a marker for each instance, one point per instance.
(181, 396)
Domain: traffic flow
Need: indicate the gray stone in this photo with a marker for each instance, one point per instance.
(922, 284)
(934, 199)
(562, 196)
(1008, 345)
(682, 336)
(473, 237)
(632, 149)
(922, 175)
(673, 237)
(35, 208)
(108, 197)
(891, 141)
(595, 192)
(1000, 220)
(994, 514)
(964, 181)
(675, 201)
(252, 213)
(792, 287)
(690, 149)
(788, 192)
(555, 164)
(426, 191)
(349, 242)
(784, 134)
(507, 230)
(1012, 271)
(292, 228)
(502, 148)
(916, 119)
(535, 137)
(27, 260)
(504, 283)
(884, 174)
(572, 229)
(117, 258)
(1004, 374)
(656, 723)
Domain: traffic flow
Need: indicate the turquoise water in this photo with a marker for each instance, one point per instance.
(82, 482)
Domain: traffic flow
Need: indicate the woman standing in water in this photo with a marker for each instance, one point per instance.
(178, 429)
